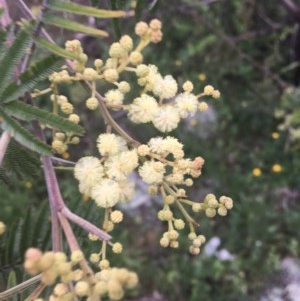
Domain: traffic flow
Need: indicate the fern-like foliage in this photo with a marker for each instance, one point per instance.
(18, 163)
(12, 56)
(33, 229)
(30, 78)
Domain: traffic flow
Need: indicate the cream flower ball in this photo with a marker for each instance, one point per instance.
(152, 172)
(167, 119)
(106, 194)
(165, 87)
(120, 166)
(110, 144)
(186, 103)
(88, 171)
(143, 109)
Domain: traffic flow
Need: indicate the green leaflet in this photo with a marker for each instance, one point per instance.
(27, 112)
(29, 79)
(71, 25)
(32, 230)
(18, 163)
(23, 136)
(79, 9)
(12, 281)
(4, 36)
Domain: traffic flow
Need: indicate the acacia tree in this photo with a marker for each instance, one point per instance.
(50, 130)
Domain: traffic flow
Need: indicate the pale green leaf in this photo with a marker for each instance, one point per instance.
(29, 79)
(27, 112)
(75, 26)
(79, 9)
(12, 279)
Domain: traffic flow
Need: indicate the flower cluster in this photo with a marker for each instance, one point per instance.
(162, 165)
(62, 140)
(177, 197)
(160, 102)
(167, 154)
(160, 162)
(106, 179)
(56, 270)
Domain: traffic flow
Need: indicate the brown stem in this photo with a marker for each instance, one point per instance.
(19, 288)
(72, 241)
(73, 244)
(85, 224)
(56, 202)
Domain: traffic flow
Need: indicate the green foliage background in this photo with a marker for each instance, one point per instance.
(243, 48)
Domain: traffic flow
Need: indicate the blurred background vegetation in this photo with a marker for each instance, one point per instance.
(249, 50)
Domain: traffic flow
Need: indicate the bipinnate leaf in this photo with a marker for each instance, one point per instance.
(29, 79)
(27, 112)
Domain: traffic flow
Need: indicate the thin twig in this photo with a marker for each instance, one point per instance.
(73, 244)
(20, 287)
(55, 200)
(90, 228)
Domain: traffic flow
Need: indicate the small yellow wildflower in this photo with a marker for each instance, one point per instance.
(28, 184)
(178, 63)
(133, 4)
(256, 172)
(276, 168)
(275, 135)
(202, 77)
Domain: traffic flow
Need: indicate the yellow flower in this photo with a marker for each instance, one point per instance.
(256, 172)
(276, 168)
(28, 184)
(275, 135)
(202, 77)
(133, 4)
(178, 63)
